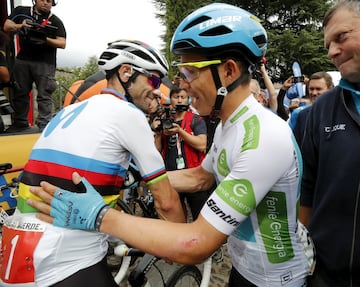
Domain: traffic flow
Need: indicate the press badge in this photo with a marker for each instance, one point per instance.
(180, 163)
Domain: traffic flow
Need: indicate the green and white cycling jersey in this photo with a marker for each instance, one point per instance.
(258, 168)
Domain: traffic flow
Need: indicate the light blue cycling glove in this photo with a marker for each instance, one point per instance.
(78, 210)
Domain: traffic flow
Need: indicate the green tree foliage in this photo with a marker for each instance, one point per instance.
(171, 14)
(66, 77)
(293, 26)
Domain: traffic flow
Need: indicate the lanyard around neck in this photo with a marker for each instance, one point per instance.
(35, 16)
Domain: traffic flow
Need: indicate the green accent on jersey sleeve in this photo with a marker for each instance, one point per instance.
(239, 114)
(274, 227)
(222, 165)
(252, 133)
(238, 194)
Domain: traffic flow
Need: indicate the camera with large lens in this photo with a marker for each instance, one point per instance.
(37, 33)
(167, 121)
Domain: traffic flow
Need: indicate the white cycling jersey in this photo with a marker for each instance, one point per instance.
(95, 138)
(258, 168)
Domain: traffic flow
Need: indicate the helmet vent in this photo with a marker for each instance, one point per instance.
(195, 22)
(221, 30)
(186, 44)
(108, 55)
(260, 40)
(143, 55)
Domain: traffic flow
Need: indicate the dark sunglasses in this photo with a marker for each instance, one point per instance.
(153, 80)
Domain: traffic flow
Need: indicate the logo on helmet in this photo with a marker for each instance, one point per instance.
(220, 20)
(128, 55)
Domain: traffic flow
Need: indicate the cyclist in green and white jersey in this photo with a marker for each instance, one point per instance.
(254, 160)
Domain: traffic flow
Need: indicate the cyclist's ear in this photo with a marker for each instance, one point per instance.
(125, 72)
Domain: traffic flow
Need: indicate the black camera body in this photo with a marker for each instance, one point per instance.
(168, 120)
(167, 123)
(166, 116)
(181, 108)
(36, 34)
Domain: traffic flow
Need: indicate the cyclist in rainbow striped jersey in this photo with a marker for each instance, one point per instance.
(98, 138)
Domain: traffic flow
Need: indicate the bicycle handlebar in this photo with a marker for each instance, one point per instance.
(8, 168)
(123, 250)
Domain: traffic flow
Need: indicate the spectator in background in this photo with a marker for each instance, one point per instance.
(282, 110)
(295, 100)
(319, 83)
(330, 193)
(36, 61)
(271, 95)
(267, 99)
(255, 88)
(183, 145)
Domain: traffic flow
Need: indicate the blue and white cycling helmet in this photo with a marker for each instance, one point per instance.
(135, 53)
(220, 27)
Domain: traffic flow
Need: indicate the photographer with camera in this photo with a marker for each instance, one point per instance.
(41, 33)
(181, 138)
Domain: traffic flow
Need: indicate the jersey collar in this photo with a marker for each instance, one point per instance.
(114, 93)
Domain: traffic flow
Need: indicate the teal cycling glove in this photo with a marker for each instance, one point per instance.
(78, 210)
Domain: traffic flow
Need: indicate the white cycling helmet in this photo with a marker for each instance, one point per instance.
(54, 2)
(135, 53)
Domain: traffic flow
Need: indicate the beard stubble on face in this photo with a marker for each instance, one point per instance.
(44, 11)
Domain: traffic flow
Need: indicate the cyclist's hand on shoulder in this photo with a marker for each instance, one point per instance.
(69, 209)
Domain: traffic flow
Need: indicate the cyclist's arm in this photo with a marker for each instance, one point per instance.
(167, 202)
(191, 180)
(186, 243)
(157, 139)
(138, 139)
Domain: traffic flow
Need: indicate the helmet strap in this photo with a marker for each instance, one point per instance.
(221, 94)
(127, 84)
